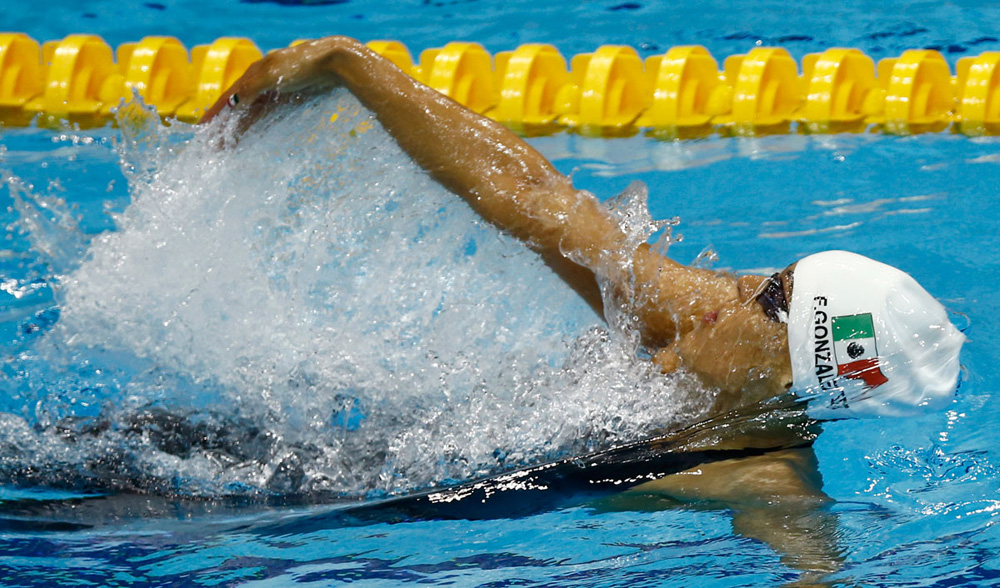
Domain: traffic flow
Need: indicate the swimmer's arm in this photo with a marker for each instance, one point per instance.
(502, 177)
(776, 498)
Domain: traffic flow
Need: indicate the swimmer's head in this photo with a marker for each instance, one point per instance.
(867, 339)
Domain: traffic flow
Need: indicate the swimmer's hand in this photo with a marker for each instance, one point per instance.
(280, 74)
(280, 77)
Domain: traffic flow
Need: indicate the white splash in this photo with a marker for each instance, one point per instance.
(312, 288)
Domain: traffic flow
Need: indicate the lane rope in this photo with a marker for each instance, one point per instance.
(534, 89)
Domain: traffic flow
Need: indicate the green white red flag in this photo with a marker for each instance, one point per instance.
(855, 349)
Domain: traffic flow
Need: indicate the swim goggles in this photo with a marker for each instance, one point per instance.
(772, 297)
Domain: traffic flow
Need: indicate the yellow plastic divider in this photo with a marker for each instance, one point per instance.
(766, 87)
(78, 66)
(158, 69)
(687, 89)
(839, 83)
(20, 69)
(461, 71)
(611, 89)
(530, 78)
(979, 83)
(918, 89)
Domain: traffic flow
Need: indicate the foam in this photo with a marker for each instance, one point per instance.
(351, 326)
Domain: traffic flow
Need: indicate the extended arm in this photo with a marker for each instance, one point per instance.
(776, 498)
(503, 178)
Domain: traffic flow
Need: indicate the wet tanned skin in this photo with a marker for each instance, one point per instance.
(706, 322)
(703, 321)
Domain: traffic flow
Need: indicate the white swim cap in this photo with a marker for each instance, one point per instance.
(867, 340)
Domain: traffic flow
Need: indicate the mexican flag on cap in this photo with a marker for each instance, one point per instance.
(854, 347)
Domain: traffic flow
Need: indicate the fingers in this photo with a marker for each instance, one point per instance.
(215, 109)
(289, 70)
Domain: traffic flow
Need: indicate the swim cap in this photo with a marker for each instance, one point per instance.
(865, 339)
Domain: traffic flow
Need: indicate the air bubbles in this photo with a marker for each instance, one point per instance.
(307, 311)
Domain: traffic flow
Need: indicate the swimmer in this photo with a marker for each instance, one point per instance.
(863, 334)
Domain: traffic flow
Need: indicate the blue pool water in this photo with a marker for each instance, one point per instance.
(216, 368)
